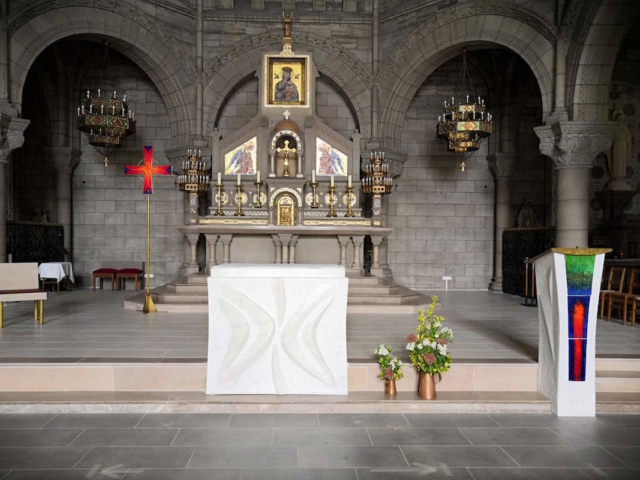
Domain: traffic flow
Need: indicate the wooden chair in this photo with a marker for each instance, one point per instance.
(18, 283)
(615, 284)
(622, 300)
(103, 273)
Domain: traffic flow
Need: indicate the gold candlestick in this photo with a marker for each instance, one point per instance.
(239, 212)
(315, 198)
(349, 209)
(332, 211)
(219, 212)
(258, 204)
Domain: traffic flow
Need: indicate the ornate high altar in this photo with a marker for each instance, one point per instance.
(287, 175)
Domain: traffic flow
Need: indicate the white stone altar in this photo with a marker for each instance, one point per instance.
(277, 329)
(568, 287)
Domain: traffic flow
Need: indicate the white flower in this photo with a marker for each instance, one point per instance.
(411, 346)
(442, 349)
(437, 335)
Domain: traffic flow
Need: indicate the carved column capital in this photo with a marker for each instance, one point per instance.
(502, 164)
(11, 136)
(63, 159)
(575, 144)
(193, 238)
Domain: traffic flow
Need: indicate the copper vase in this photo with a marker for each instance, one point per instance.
(390, 387)
(427, 386)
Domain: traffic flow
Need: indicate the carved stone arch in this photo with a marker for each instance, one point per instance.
(129, 31)
(592, 52)
(443, 37)
(347, 72)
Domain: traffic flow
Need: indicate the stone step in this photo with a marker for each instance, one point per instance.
(178, 298)
(373, 290)
(364, 281)
(197, 279)
(397, 299)
(186, 288)
(610, 381)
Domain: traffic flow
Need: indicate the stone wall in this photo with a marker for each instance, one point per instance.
(109, 208)
(442, 217)
(330, 107)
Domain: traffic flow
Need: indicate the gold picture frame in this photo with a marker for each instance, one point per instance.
(287, 83)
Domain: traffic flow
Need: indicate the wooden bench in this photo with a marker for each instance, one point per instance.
(19, 283)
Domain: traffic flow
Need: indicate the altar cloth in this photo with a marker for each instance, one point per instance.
(277, 329)
(57, 270)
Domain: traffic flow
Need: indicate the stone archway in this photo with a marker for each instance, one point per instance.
(595, 32)
(129, 30)
(344, 68)
(442, 38)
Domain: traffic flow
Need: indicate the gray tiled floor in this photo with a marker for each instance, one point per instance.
(318, 447)
(85, 326)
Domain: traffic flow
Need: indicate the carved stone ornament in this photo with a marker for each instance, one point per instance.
(9, 141)
(502, 164)
(575, 144)
(63, 159)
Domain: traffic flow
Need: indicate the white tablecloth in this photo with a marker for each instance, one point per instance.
(57, 270)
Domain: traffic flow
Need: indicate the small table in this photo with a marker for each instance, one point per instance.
(57, 271)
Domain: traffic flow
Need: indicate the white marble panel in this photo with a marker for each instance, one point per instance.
(276, 329)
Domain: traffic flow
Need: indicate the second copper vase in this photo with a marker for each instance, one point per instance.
(390, 387)
(427, 386)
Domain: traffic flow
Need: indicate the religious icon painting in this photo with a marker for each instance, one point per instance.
(242, 159)
(287, 81)
(329, 160)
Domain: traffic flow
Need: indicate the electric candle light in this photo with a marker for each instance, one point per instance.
(219, 178)
(258, 177)
(349, 180)
(87, 93)
(98, 92)
(313, 176)
(332, 184)
(239, 179)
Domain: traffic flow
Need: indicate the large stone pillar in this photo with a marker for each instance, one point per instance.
(11, 138)
(501, 165)
(573, 146)
(64, 160)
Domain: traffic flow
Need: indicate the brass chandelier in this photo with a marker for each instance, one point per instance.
(464, 125)
(105, 119)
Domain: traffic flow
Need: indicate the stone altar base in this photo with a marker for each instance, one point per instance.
(277, 329)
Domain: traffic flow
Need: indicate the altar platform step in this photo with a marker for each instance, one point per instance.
(179, 385)
(367, 294)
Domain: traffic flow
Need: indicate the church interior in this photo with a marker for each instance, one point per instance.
(167, 166)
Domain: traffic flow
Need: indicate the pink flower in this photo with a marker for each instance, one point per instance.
(412, 338)
(443, 341)
(430, 358)
(388, 374)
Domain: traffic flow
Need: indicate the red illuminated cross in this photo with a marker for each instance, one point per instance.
(148, 170)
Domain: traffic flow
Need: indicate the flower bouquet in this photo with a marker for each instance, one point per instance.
(390, 369)
(429, 350)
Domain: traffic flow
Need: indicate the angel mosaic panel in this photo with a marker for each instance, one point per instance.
(242, 159)
(329, 160)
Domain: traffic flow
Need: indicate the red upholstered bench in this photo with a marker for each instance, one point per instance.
(125, 273)
(103, 273)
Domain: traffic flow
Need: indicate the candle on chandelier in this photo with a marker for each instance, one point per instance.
(332, 182)
(467, 98)
(200, 153)
(102, 109)
(453, 100)
(219, 178)
(258, 176)
(313, 175)
(91, 108)
(124, 99)
(87, 93)
(349, 181)
(239, 179)
(98, 92)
